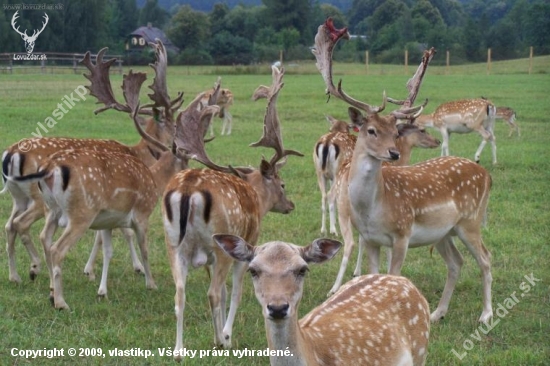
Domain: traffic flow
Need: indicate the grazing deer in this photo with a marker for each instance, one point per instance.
(463, 116)
(23, 159)
(409, 136)
(85, 189)
(373, 320)
(418, 205)
(200, 202)
(330, 151)
(509, 115)
(224, 101)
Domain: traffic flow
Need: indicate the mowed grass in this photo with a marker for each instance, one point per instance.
(517, 232)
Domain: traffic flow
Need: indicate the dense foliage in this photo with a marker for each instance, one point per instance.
(246, 33)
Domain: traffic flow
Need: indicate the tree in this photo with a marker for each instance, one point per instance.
(154, 14)
(283, 14)
(189, 28)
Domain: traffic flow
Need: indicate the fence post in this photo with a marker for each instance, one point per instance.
(488, 61)
(74, 63)
(43, 65)
(367, 61)
(530, 59)
(406, 62)
(448, 63)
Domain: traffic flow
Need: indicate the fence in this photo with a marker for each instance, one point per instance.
(53, 62)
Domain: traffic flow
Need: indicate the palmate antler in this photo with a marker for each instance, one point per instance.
(325, 40)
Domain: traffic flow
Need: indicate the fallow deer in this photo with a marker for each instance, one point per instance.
(409, 136)
(463, 116)
(25, 157)
(509, 115)
(418, 205)
(224, 101)
(373, 319)
(85, 189)
(200, 202)
(330, 151)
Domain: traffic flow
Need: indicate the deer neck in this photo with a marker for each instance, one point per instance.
(405, 150)
(164, 169)
(365, 182)
(144, 152)
(286, 336)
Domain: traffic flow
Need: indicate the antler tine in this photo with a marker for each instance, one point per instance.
(159, 88)
(101, 83)
(191, 127)
(326, 38)
(272, 130)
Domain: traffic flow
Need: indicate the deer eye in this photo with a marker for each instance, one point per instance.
(302, 271)
(371, 131)
(253, 272)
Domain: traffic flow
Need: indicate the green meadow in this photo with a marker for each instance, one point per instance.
(132, 317)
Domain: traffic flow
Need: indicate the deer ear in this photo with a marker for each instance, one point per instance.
(235, 246)
(355, 116)
(267, 170)
(320, 250)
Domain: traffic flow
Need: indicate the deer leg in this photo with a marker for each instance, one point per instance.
(89, 268)
(219, 271)
(22, 225)
(239, 270)
(58, 251)
(179, 266)
(487, 136)
(399, 252)
(129, 237)
(140, 228)
(373, 254)
(106, 236)
(347, 234)
(227, 123)
(322, 187)
(360, 247)
(46, 238)
(332, 209)
(11, 235)
(471, 237)
(453, 260)
(445, 141)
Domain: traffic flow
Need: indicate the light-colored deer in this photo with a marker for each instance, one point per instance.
(329, 153)
(85, 189)
(463, 116)
(418, 205)
(224, 101)
(409, 136)
(509, 115)
(200, 202)
(28, 206)
(373, 320)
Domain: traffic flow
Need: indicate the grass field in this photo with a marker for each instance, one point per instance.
(517, 234)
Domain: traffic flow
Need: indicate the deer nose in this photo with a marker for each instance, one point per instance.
(278, 311)
(394, 154)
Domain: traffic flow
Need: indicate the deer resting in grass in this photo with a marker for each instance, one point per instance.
(372, 320)
(422, 204)
(198, 203)
(85, 189)
(28, 206)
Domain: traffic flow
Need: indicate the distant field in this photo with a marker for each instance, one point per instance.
(517, 233)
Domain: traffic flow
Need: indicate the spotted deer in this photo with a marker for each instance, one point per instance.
(464, 116)
(224, 101)
(330, 151)
(198, 203)
(409, 136)
(372, 320)
(85, 189)
(509, 115)
(422, 204)
(25, 157)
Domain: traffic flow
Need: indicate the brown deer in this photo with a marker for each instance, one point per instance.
(373, 320)
(418, 205)
(509, 115)
(463, 116)
(224, 101)
(25, 157)
(85, 189)
(200, 202)
(409, 136)
(330, 151)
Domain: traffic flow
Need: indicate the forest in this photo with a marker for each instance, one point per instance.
(261, 31)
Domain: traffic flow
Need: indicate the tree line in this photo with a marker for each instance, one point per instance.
(246, 34)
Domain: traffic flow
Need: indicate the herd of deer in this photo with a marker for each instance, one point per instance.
(212, 216)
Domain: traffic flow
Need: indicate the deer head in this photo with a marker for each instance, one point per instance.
(29, 40)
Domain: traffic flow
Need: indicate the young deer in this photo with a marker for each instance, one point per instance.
(409, 136)
(330, 151)
(85, 189)
(200, 202)
(418, 205)
(25, 157)
(224, 101)
(463, 116)
(372, 320)
(509, 115)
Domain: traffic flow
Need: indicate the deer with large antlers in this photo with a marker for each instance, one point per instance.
(19, 160)
(29, 40)
(373, 320)
(463, 116)
(85, 189)
(418, 205)
(200, 202)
